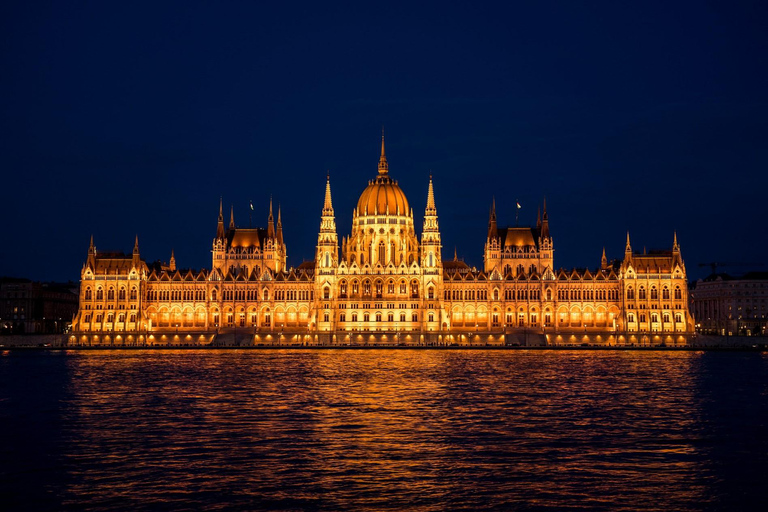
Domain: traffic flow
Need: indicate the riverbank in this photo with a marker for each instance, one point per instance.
(697, 343)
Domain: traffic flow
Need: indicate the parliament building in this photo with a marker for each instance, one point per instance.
(382, 285)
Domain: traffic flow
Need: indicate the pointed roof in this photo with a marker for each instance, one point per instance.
(232, 216)
(328, 204)
(136, 245)
(383, 165)
(431, 197)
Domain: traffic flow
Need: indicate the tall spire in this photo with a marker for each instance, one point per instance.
(604, 261)
(279, 226)
(232, 216)
(675, 246)
(270, 221)
(172, 262)
(220, 224)
(431, 198)
(628, 248)
(493, 231)
(136, 245)
(327, 204)
(538, 217)
(383, 165)
(91, 248)
(544, 221)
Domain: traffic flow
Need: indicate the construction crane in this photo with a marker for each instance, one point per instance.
(716, 264)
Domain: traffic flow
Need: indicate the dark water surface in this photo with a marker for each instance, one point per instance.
(383, 430)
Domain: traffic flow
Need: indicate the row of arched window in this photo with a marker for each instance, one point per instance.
(641, 293)
(121, 293)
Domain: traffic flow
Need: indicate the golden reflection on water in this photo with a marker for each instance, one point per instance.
(384, 429)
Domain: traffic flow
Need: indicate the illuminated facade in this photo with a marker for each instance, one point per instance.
(383, 285)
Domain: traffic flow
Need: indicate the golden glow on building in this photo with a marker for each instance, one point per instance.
(382, 285)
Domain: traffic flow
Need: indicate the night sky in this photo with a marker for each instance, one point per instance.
(125, 118)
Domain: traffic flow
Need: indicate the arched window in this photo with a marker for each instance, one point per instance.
(665, 293)
(378, 317)
(403, 288)
(326, 292)
(654, 293)
(121, 294)
(496, 294)
(266, 295)
(402, 317)
(390, 317)
(430, 293)
(366, 317)
(641, 293)
(678, 293)
(366, 287)
(343, 289)
(549, 294)
(88, 293)
(382, 253)
(431, 259)
(414, 289)
(213, 294)
(431, 317)
(111, 294)
(342, 317)
(391, 287)
(678, 317)
(354, 317)
(415, 317)
(134, 293)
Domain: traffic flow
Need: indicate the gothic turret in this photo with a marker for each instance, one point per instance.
(220, 225)
(327, 241)
(431, 247)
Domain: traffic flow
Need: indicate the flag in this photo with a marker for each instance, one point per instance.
(518, 205)
(251, 203)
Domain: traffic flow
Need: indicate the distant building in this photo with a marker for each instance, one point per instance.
(28, 307)
(728, 305)
(384, 284)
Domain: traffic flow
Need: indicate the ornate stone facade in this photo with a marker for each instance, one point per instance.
(383, 285)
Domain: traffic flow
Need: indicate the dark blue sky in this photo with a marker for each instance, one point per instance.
(119, 118)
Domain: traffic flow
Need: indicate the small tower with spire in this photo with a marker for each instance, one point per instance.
(431, 247)
(136, 259)
(492, 253)
(628, 250)
(172, 262)
(220, 226)
(327, 254)
(270, 221)
(604, 261)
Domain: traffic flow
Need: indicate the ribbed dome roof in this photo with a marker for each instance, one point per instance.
(383, 194)
(380, 194)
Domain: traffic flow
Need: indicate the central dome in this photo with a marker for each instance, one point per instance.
(382, 195)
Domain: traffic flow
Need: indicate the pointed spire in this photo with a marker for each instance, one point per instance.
(493, 231)
(172, 263)
(232, 216)
(279, 226)
(538, 217)
(455, 254)
(431, 198)
(383, 165)
(220, 224)
(628, 248)
(270, 221)
(91, 248)
(545, 216)
(136, 245)
(675, 246)
(604, 260)
(328, 204)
